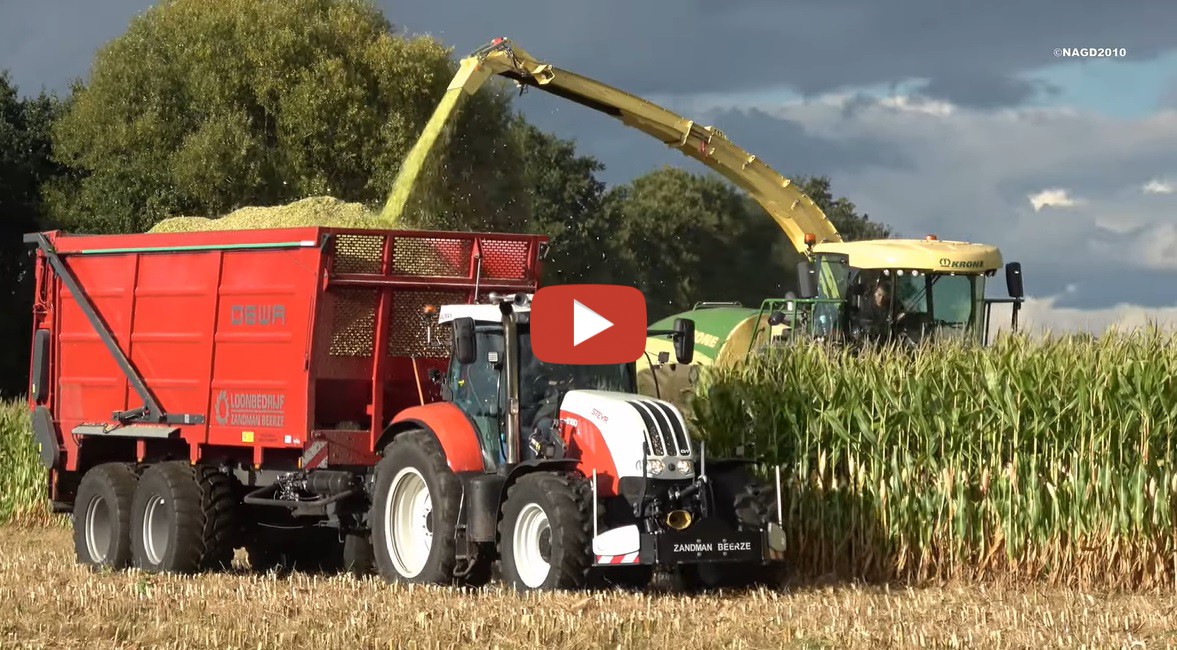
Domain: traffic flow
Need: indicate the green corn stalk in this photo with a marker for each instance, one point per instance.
(1042, 458)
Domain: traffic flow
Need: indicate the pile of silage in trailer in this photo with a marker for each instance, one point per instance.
(314, 211)
(328, 211)
(1029, 459)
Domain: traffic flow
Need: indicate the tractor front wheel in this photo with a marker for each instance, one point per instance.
(415, 511)
(545, 532)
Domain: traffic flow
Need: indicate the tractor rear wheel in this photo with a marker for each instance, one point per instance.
(414, 511)
(102, 516)
(545, 533)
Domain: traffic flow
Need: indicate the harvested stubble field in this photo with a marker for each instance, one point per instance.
(48, 601)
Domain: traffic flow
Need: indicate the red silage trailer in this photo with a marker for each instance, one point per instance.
(231, 359)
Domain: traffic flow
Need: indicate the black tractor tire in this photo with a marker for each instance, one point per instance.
(565, 502)
(102, 516)
(222, 524)
(183, 519)
(416, 452)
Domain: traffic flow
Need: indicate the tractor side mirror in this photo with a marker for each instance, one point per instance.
(464, 350)
(1013, 279)
(807, 280)
(684, 340)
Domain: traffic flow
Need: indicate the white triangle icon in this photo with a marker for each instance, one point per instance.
(586, 323)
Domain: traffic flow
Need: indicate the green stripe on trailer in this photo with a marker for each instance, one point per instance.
(203, 247)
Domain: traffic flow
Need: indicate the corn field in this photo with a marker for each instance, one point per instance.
(1048, 460)
(22, 477)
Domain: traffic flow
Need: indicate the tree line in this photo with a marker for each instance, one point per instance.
(205, 106)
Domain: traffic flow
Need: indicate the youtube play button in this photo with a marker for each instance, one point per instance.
(588, 324)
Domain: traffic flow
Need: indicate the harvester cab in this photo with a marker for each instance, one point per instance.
(906, 291)
(582, 430)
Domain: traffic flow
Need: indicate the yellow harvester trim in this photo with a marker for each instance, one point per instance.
(924, 255)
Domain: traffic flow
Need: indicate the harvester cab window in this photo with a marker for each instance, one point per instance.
(834, 279)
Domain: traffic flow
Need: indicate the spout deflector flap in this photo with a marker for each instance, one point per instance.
(619, 541)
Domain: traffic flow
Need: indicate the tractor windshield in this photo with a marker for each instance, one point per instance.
(537, 377)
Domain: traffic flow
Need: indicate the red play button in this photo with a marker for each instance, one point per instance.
(588, 324)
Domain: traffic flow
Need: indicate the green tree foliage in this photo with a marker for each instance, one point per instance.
(567, 202)
(684, 237)
(25, 164)
(203, 106)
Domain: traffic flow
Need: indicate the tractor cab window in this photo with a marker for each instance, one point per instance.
(542, 384)
(477, 389)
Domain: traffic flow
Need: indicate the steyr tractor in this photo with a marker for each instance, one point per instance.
(568, 477)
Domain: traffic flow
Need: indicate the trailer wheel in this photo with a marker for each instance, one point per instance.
(414, 511)
(545, 532)
(221, 523)
(182, 519)
(102, 516)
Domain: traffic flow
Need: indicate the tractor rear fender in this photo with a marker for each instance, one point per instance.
(452, 428)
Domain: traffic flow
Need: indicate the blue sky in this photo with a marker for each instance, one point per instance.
(1117, 87)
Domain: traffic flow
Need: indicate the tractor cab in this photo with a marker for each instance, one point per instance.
(496, 379)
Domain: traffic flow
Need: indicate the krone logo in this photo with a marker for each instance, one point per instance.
(954, 264)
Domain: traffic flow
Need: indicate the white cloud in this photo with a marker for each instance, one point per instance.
(1042, 315)
(1157, 186)
(1118, 223)
(1055, 198)
(918, 105)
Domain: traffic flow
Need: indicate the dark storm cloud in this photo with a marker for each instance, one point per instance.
(46, 44)
(970, 51)
(783, 144)
(966, 49)
(982, 90)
